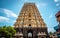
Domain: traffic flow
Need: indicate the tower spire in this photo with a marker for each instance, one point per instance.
(30, 21)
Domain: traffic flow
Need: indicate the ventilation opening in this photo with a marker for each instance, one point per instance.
(29, 15)
(29, 19)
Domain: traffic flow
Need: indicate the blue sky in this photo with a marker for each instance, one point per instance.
(10, 9)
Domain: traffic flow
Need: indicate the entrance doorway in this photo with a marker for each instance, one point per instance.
(30, 34)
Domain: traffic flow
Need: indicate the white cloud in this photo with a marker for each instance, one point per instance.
(9, 13)
(51, 29)
(41, 4)
(56, 0)
(14, 21)
(57, 4)
(4, 19)
(50, 16)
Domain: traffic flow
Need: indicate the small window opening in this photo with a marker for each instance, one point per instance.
(29, 15)
(29, 19)
(29, 24)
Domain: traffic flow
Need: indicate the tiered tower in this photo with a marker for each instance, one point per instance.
(29, 23)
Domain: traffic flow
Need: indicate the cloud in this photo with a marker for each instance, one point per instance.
(4, 19)
(51, 29)
(56, 0)
(57, 4)
(41, 5)
(9, 13)
(7, 16)
(14, 21)
(50, 16)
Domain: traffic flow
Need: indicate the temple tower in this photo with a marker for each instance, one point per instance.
(29, 23)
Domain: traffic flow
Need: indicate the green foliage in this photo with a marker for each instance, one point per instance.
(7, 31)
(51, 33)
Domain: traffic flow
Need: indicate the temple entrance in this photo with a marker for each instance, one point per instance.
(30, 34)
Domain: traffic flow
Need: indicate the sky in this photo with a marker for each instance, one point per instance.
(10, 9)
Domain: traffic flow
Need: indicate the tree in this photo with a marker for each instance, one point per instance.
(51, 33)
(11, 30)
(7, 31)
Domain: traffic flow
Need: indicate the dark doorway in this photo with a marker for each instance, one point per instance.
(30, 34)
